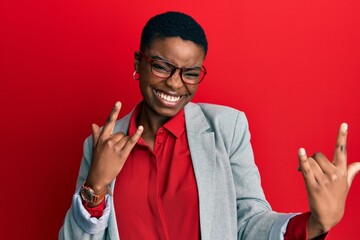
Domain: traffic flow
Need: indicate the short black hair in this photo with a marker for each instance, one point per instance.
(173, 24)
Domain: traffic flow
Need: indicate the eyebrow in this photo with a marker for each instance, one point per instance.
(159, 58)
(156, 57)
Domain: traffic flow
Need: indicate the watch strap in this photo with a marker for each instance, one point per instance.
(91, 196)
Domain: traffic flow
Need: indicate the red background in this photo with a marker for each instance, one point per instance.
(292, 66)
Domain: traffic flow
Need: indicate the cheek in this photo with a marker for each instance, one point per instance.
(144, 71)
(144, 88)
(146, 82)
(192, 89)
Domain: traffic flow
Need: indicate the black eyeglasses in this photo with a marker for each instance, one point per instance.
(163, 69)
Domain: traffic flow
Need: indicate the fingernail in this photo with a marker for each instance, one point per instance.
(140, 128)
(117, 104)
(344, 127)
(302, 152)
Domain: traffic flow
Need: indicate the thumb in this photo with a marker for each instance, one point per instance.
(352, 170)
(95, 133)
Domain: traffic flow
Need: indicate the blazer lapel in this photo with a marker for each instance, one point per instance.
(202, 149)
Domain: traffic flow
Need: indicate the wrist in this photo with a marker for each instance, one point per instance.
(93, 197)
(96, 187)
(315, 228)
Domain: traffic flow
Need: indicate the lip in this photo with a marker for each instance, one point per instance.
(167, 99)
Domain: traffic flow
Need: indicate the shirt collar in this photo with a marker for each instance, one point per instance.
(176, 124)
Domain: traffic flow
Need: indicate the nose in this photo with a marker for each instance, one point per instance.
(175, 81)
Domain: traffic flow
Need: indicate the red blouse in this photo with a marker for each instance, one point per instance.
(155, 195)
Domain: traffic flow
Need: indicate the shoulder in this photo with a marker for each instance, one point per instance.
(222, 120)
(217, 109)
(229, 125)
(215, 112)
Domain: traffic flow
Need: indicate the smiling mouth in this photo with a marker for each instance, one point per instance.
(166, 97)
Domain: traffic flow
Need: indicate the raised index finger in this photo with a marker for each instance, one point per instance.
(340, 156)
(110, 121)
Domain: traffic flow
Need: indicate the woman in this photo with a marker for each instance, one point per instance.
(185, 170)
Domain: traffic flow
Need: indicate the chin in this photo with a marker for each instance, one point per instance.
(168, 112)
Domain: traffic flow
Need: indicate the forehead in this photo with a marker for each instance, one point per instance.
(177, 50)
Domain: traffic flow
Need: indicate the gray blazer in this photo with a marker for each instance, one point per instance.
(231, 201)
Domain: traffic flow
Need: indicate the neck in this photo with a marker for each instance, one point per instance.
(151, 122)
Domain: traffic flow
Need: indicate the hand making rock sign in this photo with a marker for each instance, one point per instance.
(110, 151)
(327, 184)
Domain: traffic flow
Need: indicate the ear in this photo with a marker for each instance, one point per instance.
(137, 60)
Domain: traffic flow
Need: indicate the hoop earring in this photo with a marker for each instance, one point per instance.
(136, 75)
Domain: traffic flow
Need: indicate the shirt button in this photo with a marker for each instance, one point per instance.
(161, 131)
(160, 141)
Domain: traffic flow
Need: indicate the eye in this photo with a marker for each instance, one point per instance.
(160, 67)
(191, 73)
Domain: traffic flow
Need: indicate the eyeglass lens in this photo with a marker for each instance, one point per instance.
(164, 69)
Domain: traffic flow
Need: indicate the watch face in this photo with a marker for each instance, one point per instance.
(86, 194)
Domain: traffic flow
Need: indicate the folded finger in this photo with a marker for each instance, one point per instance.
(117, 137)
(319, 175)
(325, 165)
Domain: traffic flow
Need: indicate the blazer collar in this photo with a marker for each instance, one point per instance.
(195, 119)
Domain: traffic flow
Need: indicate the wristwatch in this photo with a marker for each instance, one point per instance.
(89, 196)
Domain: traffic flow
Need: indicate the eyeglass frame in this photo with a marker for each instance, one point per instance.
(174, 68)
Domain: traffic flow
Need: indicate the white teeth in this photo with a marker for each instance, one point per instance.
(167, 97)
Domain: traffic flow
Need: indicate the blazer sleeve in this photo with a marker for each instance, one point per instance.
(78, 224)
(255, 218)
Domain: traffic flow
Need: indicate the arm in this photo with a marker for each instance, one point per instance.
(327, 184)
(104, 155)
(78, 224)
(255, 219)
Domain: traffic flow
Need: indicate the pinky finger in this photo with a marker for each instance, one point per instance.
(134, 139)
(305, 167)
